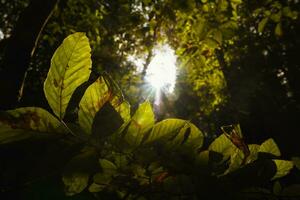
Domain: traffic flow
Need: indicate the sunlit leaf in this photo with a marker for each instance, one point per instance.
(92, 101)
(141, 122)
(22, 123)
(283, 167)
(269, 146)
(166, 129)
(94, 98)
(222, 145)
(70, 67)
(175, 132)
(30, 118)
(254, 148)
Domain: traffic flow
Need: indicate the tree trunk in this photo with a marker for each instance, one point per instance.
(20, 48)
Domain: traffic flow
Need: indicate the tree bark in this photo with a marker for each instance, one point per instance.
(20, 48)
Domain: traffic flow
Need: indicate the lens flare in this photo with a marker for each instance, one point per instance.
(161, 72)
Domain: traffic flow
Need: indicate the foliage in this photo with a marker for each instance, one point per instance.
(132, 157)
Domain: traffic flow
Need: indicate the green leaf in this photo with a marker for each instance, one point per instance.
(70, 67)
(262, 24)
(123, 108)
(175, 132)
(22, 123)
(236, 160)
(141, 122)
(165, 129)
(107, 166)
(78, 170)
(253, 148)
(296, 161)
(278, 30)
(8, 135)
(94, 99)
(283, 168)
(202, 158)
(269, 146)
(96, 95)
(94, 188)
(102, 180)
(222, 145)
(211, 43)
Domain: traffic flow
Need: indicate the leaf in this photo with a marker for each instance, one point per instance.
(106, 122)
(211, 43)
(283, 168)
(236, 160)
(70, 67)
(262, 24)
(77, 172)
(8, 135)
(94, 187)
(222, 145)
(202, 158)
(96, 95)
(254, 148)
(22, 123)
(278, 30)
(141, 122)
(122, 108)
(175, 132)
(296, 161)
(30, 118)
(269, 146)
(102, 180)
(107, 166)
(94, 98)
(166, 129)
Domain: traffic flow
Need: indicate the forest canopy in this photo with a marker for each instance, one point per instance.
(211, 64)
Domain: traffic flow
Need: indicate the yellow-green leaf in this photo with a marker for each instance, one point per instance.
(269, 146)
(174, 133)
(278, 30)
(70, 67)
(22, 123)
(283, 167)
(92, 101)
(165, 129)
(262, 24)
(94, 98)
(107, 166)
(141, 122)
(222, 145)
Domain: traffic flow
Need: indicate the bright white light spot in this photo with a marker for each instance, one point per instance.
(138, 62)
(1, 35)
(161, 72)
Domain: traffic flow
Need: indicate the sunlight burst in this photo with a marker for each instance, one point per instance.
(161, 72)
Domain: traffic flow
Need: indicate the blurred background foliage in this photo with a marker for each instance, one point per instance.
(237, 60)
